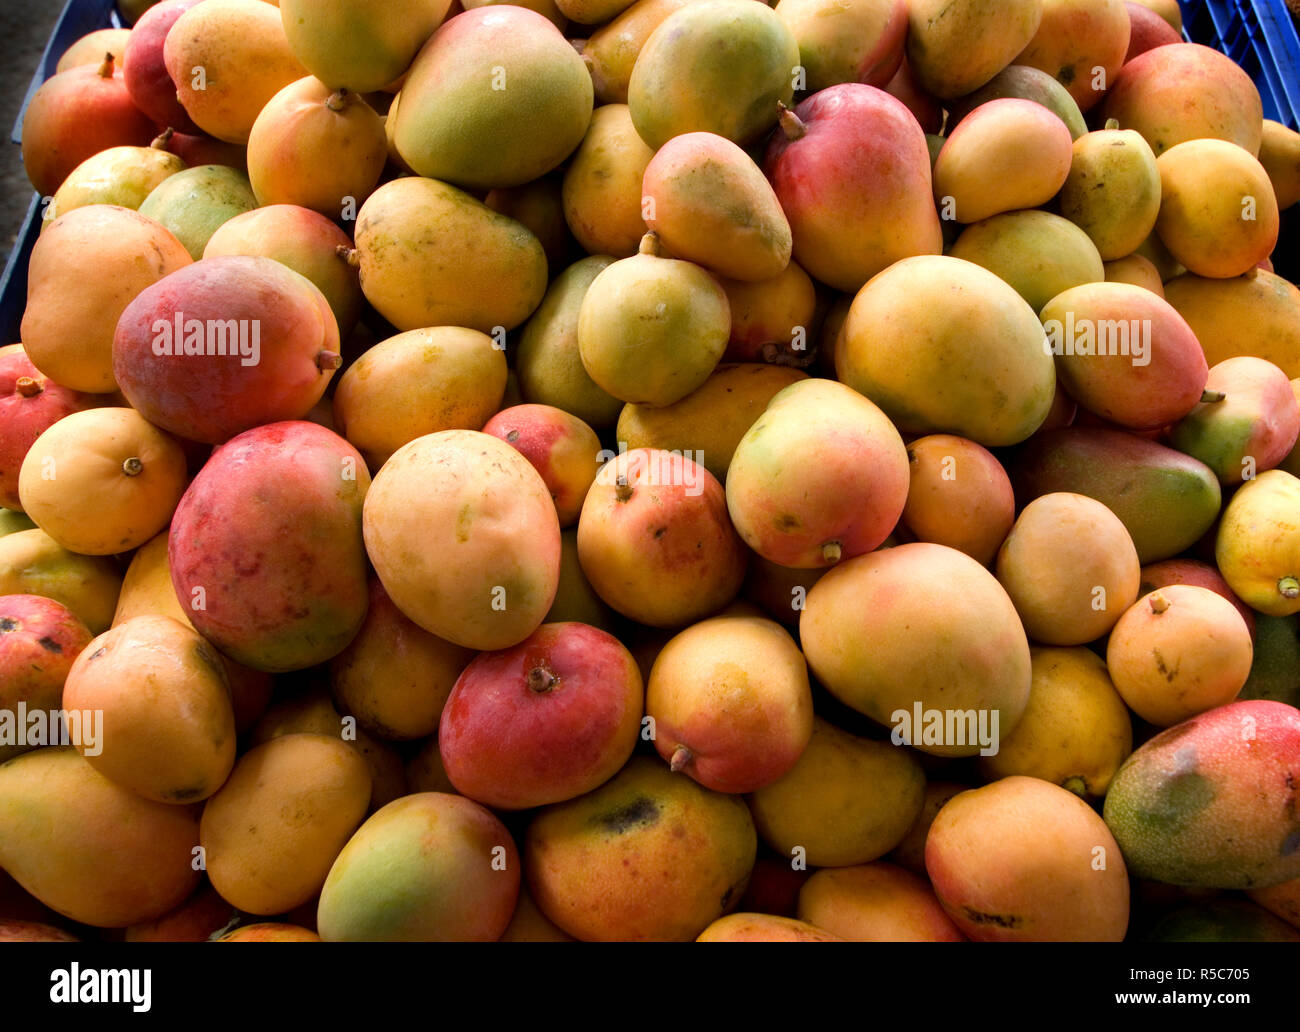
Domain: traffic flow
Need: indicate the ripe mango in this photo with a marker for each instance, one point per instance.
(857, 41)
(612, 50)
(40, 640)
(1279, 153)
(875, 902)
(958, 495)
(763, 928)
(33, 563)
(1018, 80)
(1258, 543)
(193, 203)
(124, 176)
(1113, 190)
(1082, 43)
(1256, 314)
(602, 184)
(956, 46)
(1212, 801)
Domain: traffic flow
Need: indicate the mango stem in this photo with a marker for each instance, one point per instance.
(541, 680)
(1289, 587)
(791, 124)
(1208, 396)
(29, 386)
(106, 68)
(1158, 603)
(831, 552)
(339, 99)
(328, 360)
(650, 245)
(681, 757)
(161, 141)
(133, 467)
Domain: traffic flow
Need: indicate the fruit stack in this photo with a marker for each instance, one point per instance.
(657, 470)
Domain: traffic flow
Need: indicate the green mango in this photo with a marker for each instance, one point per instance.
(193, 203)
(1223, 920)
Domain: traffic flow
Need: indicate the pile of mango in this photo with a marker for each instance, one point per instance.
(652, 470)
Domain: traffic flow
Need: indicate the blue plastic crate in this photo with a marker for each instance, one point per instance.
(1259, 35)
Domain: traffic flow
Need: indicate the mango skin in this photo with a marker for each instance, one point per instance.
(958, 495)
(273, 830)
(711, 420)
(357, 45)
(1275, 670)
(954, 48)
(493, 576)
(876, 902)
(431, 255)
(648, 856)
(284, 581)
(711, 204)
(123, 176)
(1113, 190)
(860, 41)
(1018, 80)
(1257, 314)
(1212, 801)
(496, 97)
(33, 563)
(1258, 544)
(716, 66)
(763, 928)
(865, 624)
(1165, 499)
(88, 848)
(602, 191)
(1074, 40)
(1022, 860)
(428, 867)
(942, 345)
(1279, 153)
(612, 50)
(1222, 920)
(194, 202)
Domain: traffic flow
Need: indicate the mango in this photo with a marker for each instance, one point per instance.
(852, 173)
(651, 329)
(1125, 354)
(417, 383)
(496, 97)
(612, 50)
(846, 801)
(602, 184)
(494, 574)
(1226, 920)
(958, 495)
(875, 902)
(592, 12)
(655, 541)
(539, 207)
(1113, 190)
(1082, 43)
(124, 176)
(73, 302)
(576, 600)
(1148, 30)
(145, 69)
(1022, 860)
(942, 345)
(798, 514)
(1282, 900)
(193, 203)
(548, 360)
(1258, 544)
(270, 931)
(718, 66)
(231, 343)
(1218, 215)
(272, 832)
(1164, 498)
(954, 48)
(33, 563)
(528, 924)
(860, 41)
(1212, 801)
(741, 927)
(710, 204)
(863, 634)
(1279, 153)
(307, 242)
(1038, 253)
(431, 255)
(1070, 568)
(771, 319)
(354, 45)
(1185, 91)
(102, 481)
(227, 60)
(1075, 731)
(1276, 660)
(1137, 270)
(1177, 652)
(1256, 314)
(90, 849)
(710, 421)
(648, 856)
(91, 48)
(428, 867)
(978, 172)
(281, 586)
(1018, 80)
(561, 447)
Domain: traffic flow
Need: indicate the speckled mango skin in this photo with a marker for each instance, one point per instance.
(270, 529)
(1214, 801)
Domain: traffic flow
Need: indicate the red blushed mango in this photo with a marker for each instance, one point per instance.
(801, 514)
(561, 447)
(30, 403)
(266, 547)
(655, 541)
(1022, 860)
(710, 204)
(1147, 30)
(1198, 574)
(234, 343)
(270, 931)
(980, 170)
(395, 677)
(196, 920)
(851, 170)
(771, 319)
(925, 109)
(74, 115)
(1247, 423)
(145, 73)
(958, 495)
(1082, 43)
(763, 928)
(910, 853)
(545, 721)
(875, 903)
(39, 640)
(304, 240)
(1125, 354)
(1185, 91)
(857, 41)
(731, 703)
